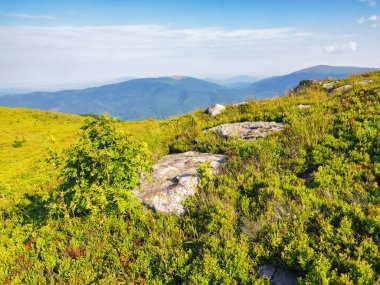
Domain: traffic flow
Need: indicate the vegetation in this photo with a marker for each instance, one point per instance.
(306, 199)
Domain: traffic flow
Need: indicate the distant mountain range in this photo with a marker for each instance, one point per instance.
(162, 97)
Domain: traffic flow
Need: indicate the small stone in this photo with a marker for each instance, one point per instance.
(239, 104)
(215, 110)
(329, 86)
(303, 106)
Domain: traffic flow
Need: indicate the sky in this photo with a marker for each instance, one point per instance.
(61, 43)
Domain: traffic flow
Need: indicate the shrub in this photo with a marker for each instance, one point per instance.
(100, 170)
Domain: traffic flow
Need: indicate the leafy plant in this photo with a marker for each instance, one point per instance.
(100, 170)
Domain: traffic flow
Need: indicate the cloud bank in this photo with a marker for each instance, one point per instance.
(41, 56)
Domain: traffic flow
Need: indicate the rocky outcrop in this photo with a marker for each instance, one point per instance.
(174, 178)
(305, 83)
(277, 276)
(248, 130)
(215, 110)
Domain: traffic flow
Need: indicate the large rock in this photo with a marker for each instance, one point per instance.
(174, 178)
(215, 110)
(248, 130)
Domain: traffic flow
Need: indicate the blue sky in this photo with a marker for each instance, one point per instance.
(51, 43)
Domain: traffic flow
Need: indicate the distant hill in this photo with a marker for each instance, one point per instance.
(279, 84)
(236, 82)
(162, 97)
(131, 100)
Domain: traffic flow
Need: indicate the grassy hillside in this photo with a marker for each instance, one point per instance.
(305, 199)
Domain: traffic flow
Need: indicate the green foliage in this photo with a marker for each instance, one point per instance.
(99, 171)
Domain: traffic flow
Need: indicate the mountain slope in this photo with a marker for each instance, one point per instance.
(132, 100)
(279, 84)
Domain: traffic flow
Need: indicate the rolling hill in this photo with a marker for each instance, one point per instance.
(131, 100)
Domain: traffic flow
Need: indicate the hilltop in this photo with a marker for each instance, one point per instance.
(303, 199)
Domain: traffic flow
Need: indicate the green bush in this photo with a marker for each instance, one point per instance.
(99, 171)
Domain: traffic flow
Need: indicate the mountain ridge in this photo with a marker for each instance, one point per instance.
(162, 97)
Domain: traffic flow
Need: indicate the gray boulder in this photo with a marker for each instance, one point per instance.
(174, 178)
(277, 276)
(248, 130)
(283, 277)
(215, 110)
(330, 85)
(342, 88)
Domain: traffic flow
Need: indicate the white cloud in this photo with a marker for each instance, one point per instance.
(40, 56)
(371, 3)
(32, 17)
(371, 19)
(342, 48)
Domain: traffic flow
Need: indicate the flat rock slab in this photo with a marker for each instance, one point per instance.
(248, 130)
(174, 178)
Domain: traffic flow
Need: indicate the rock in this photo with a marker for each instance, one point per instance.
(349, 86)
(282, 277)
(364, 82)
(277, 276)
(305, 83)
(239, 104)
(215, 110)
(329, 86)
(248, 130)
(303, 106)
(342, 88)
(267, 271)
(174, 178)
